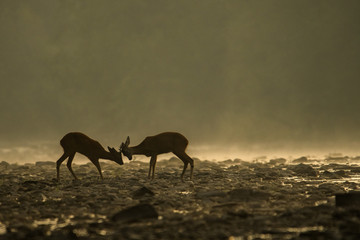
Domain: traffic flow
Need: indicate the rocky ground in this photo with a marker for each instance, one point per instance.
(232, 200)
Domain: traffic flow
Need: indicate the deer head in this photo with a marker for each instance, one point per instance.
(124, 148)
(117, 157)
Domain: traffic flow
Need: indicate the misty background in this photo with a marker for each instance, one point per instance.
(235, 76)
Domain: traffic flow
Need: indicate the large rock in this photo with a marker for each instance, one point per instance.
(303, 170)
(136, 213)
(301, 160)
(247, 194)
(277, 161)
(210, 194)
(143, 192)
(350, 199)
(329, 175)
(4, 165)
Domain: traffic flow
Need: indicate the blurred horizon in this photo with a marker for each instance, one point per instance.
(245, 78)
(50, 151)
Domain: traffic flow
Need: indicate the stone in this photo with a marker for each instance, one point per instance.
(142, 192)
(300, 160)
(350, 199)
(330, 175)
(209, 194)
(136, 213)
(277, 161)
(303, 170)
(4, 165)
(247, 194)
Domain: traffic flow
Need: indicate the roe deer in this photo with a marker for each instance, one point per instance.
(78, 142)
(162, 143)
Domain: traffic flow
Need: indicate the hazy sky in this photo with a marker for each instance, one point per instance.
(250, 73)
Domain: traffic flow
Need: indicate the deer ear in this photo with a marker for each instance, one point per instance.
(127, 142)
(114, 150)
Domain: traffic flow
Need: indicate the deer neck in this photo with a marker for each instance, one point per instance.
(106, 155)
(136, 150)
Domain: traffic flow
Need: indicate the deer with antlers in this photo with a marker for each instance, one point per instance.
(78, 142)
(162, 143)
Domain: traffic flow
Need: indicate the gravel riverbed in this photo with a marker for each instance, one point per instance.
(231, 199)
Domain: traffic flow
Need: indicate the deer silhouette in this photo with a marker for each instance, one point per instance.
(162, 143)
(74, 142)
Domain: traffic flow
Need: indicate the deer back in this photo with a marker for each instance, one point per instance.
(164, 143)
(79, 142)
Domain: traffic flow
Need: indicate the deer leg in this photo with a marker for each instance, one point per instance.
(191, 161)
(58, 163)
(183, 172)
(186, 159)
(152, 167)
(71, 157)
(97, 165)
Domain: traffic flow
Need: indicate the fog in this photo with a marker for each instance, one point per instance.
(247, 77)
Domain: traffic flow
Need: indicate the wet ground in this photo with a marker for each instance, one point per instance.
(232, 200)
